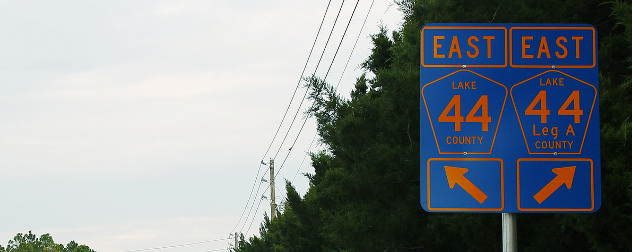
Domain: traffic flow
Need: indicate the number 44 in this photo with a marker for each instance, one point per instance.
(543, 112)
(457, 118)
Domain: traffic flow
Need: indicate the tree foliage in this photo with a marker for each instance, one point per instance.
(364, 194)
(31, 243)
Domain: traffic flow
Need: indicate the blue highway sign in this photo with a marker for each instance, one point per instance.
(509, 118)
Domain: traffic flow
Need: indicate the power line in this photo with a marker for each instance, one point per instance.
(306, 91)
(298, 84)
(284, 115)
(339, 81)
(179, 245)
(300, 105)
(213, 250)
(355, 44)
(304, 157)
(304, 97)
(330, 65)
(251, 206)
(253, 219)
(343, 37)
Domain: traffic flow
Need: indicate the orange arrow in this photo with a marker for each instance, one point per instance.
(564, 176)
(456, 175)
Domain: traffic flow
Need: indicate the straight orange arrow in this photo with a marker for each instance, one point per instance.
(564, 176)
(456, 175)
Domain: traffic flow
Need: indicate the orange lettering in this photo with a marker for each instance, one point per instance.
(577, 39)
(525, 46)
(455, 48)
(484, 118)
(543, 112)
(469, 42)
(457, 118)
(576, 112)
(437, 46)
(489, 45)
(570, 130)
(544, 48)
(559, 43)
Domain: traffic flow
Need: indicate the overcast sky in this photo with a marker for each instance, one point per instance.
(128, 125)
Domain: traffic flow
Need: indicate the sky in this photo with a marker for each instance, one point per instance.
(141, 125)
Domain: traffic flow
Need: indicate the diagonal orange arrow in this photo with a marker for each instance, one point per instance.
(456, 175)
(564, 176)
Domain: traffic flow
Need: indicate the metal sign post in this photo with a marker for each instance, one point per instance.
(510, 232)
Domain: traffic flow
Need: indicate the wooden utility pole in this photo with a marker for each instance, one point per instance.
(236, 244)
(272, 203)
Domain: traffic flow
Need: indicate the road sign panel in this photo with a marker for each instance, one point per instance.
(555, 185)
(562, 47)
(509, 114)
(554, 111)
(469, 119)
(464, 45)
(459, 184)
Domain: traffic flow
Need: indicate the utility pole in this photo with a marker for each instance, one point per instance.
(236, 244)
(272, 204)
